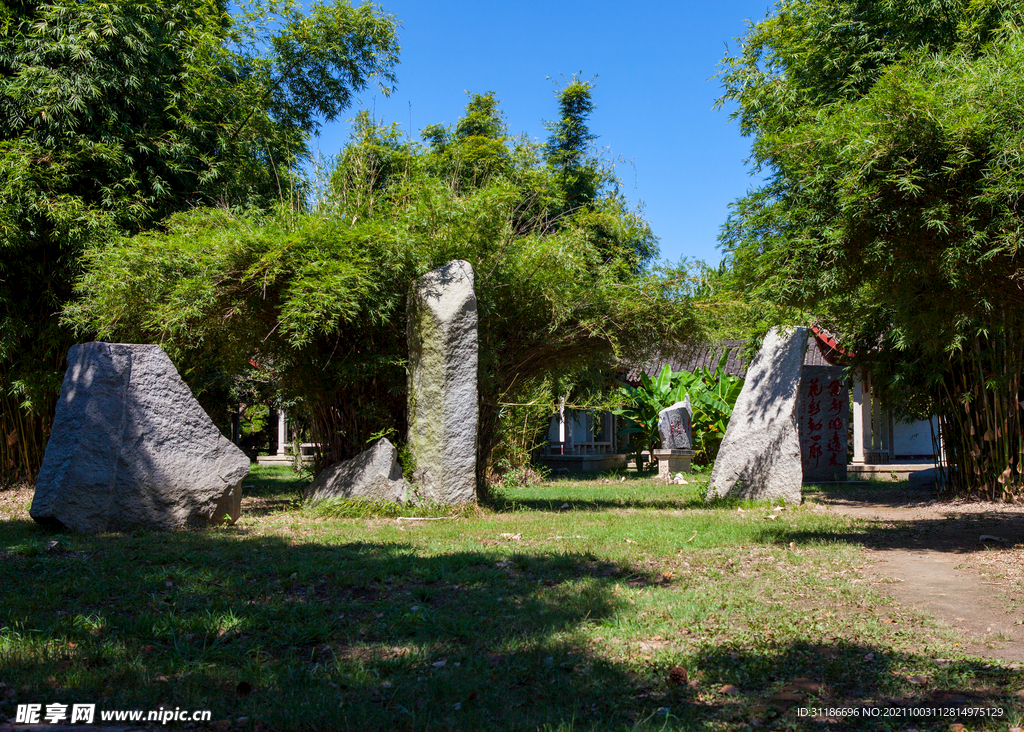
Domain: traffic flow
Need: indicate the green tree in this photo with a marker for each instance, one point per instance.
(890, 134)
(115, 115)
(577, 175)
(321, 296)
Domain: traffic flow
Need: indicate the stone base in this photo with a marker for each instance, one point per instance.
(671, 462)
(889, 472)
(282, 460)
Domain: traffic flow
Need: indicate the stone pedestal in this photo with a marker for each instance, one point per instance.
(671, 462)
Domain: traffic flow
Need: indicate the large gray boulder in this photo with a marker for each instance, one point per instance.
(759, 457)
(373, 474)
(674, 426)
(443, 411)
(131, 448)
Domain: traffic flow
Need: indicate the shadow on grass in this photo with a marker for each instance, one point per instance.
(568, 502)
(961, 535)
(274, 482)
(378, 635)
(953, 531)
(879, 690)
(890, 494)
(348, 636)
(691, 499)
(599, 492)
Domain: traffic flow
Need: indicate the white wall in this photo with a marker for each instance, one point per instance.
(914, 438)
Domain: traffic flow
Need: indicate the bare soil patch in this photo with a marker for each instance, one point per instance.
(14, 502)
(960, 561)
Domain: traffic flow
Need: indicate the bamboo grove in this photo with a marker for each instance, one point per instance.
(891, 140)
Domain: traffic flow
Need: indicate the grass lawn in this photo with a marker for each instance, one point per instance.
(574, 605)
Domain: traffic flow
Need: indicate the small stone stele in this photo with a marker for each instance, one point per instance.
(443, 411)
(759, 458)
(674, 426)
(373, 474)
(131, 448)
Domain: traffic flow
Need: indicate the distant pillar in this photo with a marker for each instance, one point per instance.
(891, 432)
(282, 430)
(568, 448)
(861, 417)
(236, 426)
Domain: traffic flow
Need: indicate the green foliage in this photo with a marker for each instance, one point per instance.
(321, 295)
(567, 147)
(642, 406)
(115, 115)
(255, 419)
(891, 135)
(712, 395)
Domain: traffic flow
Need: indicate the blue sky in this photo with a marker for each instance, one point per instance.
(654, 92)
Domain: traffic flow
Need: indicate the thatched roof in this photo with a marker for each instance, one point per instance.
(693, 358)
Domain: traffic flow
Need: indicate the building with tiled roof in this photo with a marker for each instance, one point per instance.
(693, 358)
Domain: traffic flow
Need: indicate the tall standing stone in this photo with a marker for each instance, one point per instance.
(130, 448)
(443, 410)
(760, 454)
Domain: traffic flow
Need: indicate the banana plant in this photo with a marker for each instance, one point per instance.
(712, 396)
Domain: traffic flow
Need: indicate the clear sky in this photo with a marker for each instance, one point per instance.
(654, 63)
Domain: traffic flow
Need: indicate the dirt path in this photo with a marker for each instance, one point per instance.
(931, 556)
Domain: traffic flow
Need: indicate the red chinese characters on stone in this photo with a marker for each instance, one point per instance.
(822, 425)
(814, 452)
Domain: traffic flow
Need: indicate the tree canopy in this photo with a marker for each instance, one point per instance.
(320, 295)
(115, 115)
(891, 137)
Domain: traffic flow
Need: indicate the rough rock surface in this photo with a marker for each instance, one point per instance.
(674, 426)
(373, 474)
(130, 447)
(443, 411)
(759, 457)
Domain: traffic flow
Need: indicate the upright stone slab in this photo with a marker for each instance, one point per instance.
(760, 454)
(823, 417)
(373, 474)
(131, 448)
(443, 411)
(674, 426)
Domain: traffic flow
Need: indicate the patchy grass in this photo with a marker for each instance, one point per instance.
(574, 605)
